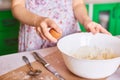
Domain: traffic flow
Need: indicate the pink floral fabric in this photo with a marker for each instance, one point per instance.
(58, 10)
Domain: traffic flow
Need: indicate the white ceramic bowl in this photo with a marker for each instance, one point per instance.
(93, 69)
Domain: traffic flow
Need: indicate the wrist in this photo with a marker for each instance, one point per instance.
(86, 22)
(36, 21)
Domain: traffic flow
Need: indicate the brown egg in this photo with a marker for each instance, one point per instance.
(55, 34)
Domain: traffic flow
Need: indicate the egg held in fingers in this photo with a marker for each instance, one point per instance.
(55, 34)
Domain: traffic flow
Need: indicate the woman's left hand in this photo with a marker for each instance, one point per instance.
(95, 28)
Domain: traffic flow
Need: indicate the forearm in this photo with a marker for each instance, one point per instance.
(23, 15)
(81, 13)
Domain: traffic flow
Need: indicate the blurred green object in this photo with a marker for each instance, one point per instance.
(113, 10)
(9, 28)
(116, 17)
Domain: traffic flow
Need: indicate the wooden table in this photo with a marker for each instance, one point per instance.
(14, 68)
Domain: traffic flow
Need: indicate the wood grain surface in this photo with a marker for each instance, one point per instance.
(55, 59)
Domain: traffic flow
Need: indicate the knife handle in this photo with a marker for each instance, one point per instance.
(40, 59)
(51, 69)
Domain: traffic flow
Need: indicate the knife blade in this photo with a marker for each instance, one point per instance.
(40, 59)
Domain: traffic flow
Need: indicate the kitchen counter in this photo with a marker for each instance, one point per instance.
(14, 61)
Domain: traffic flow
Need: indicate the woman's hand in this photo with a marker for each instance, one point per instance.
(95, 27)
(42, 27)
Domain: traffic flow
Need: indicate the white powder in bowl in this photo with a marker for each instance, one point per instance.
(94, 53)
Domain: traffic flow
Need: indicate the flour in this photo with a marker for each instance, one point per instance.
(94, 53)
(20, 75)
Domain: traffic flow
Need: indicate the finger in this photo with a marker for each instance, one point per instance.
(38, 30)
(46, 33)
(93, 28)
(52, 24)
(97, 28)
(88, 27)
(44, 26)
(103, 30)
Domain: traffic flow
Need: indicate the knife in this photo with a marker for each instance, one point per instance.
(40, 59)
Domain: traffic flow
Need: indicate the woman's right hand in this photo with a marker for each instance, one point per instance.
(43, 24)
